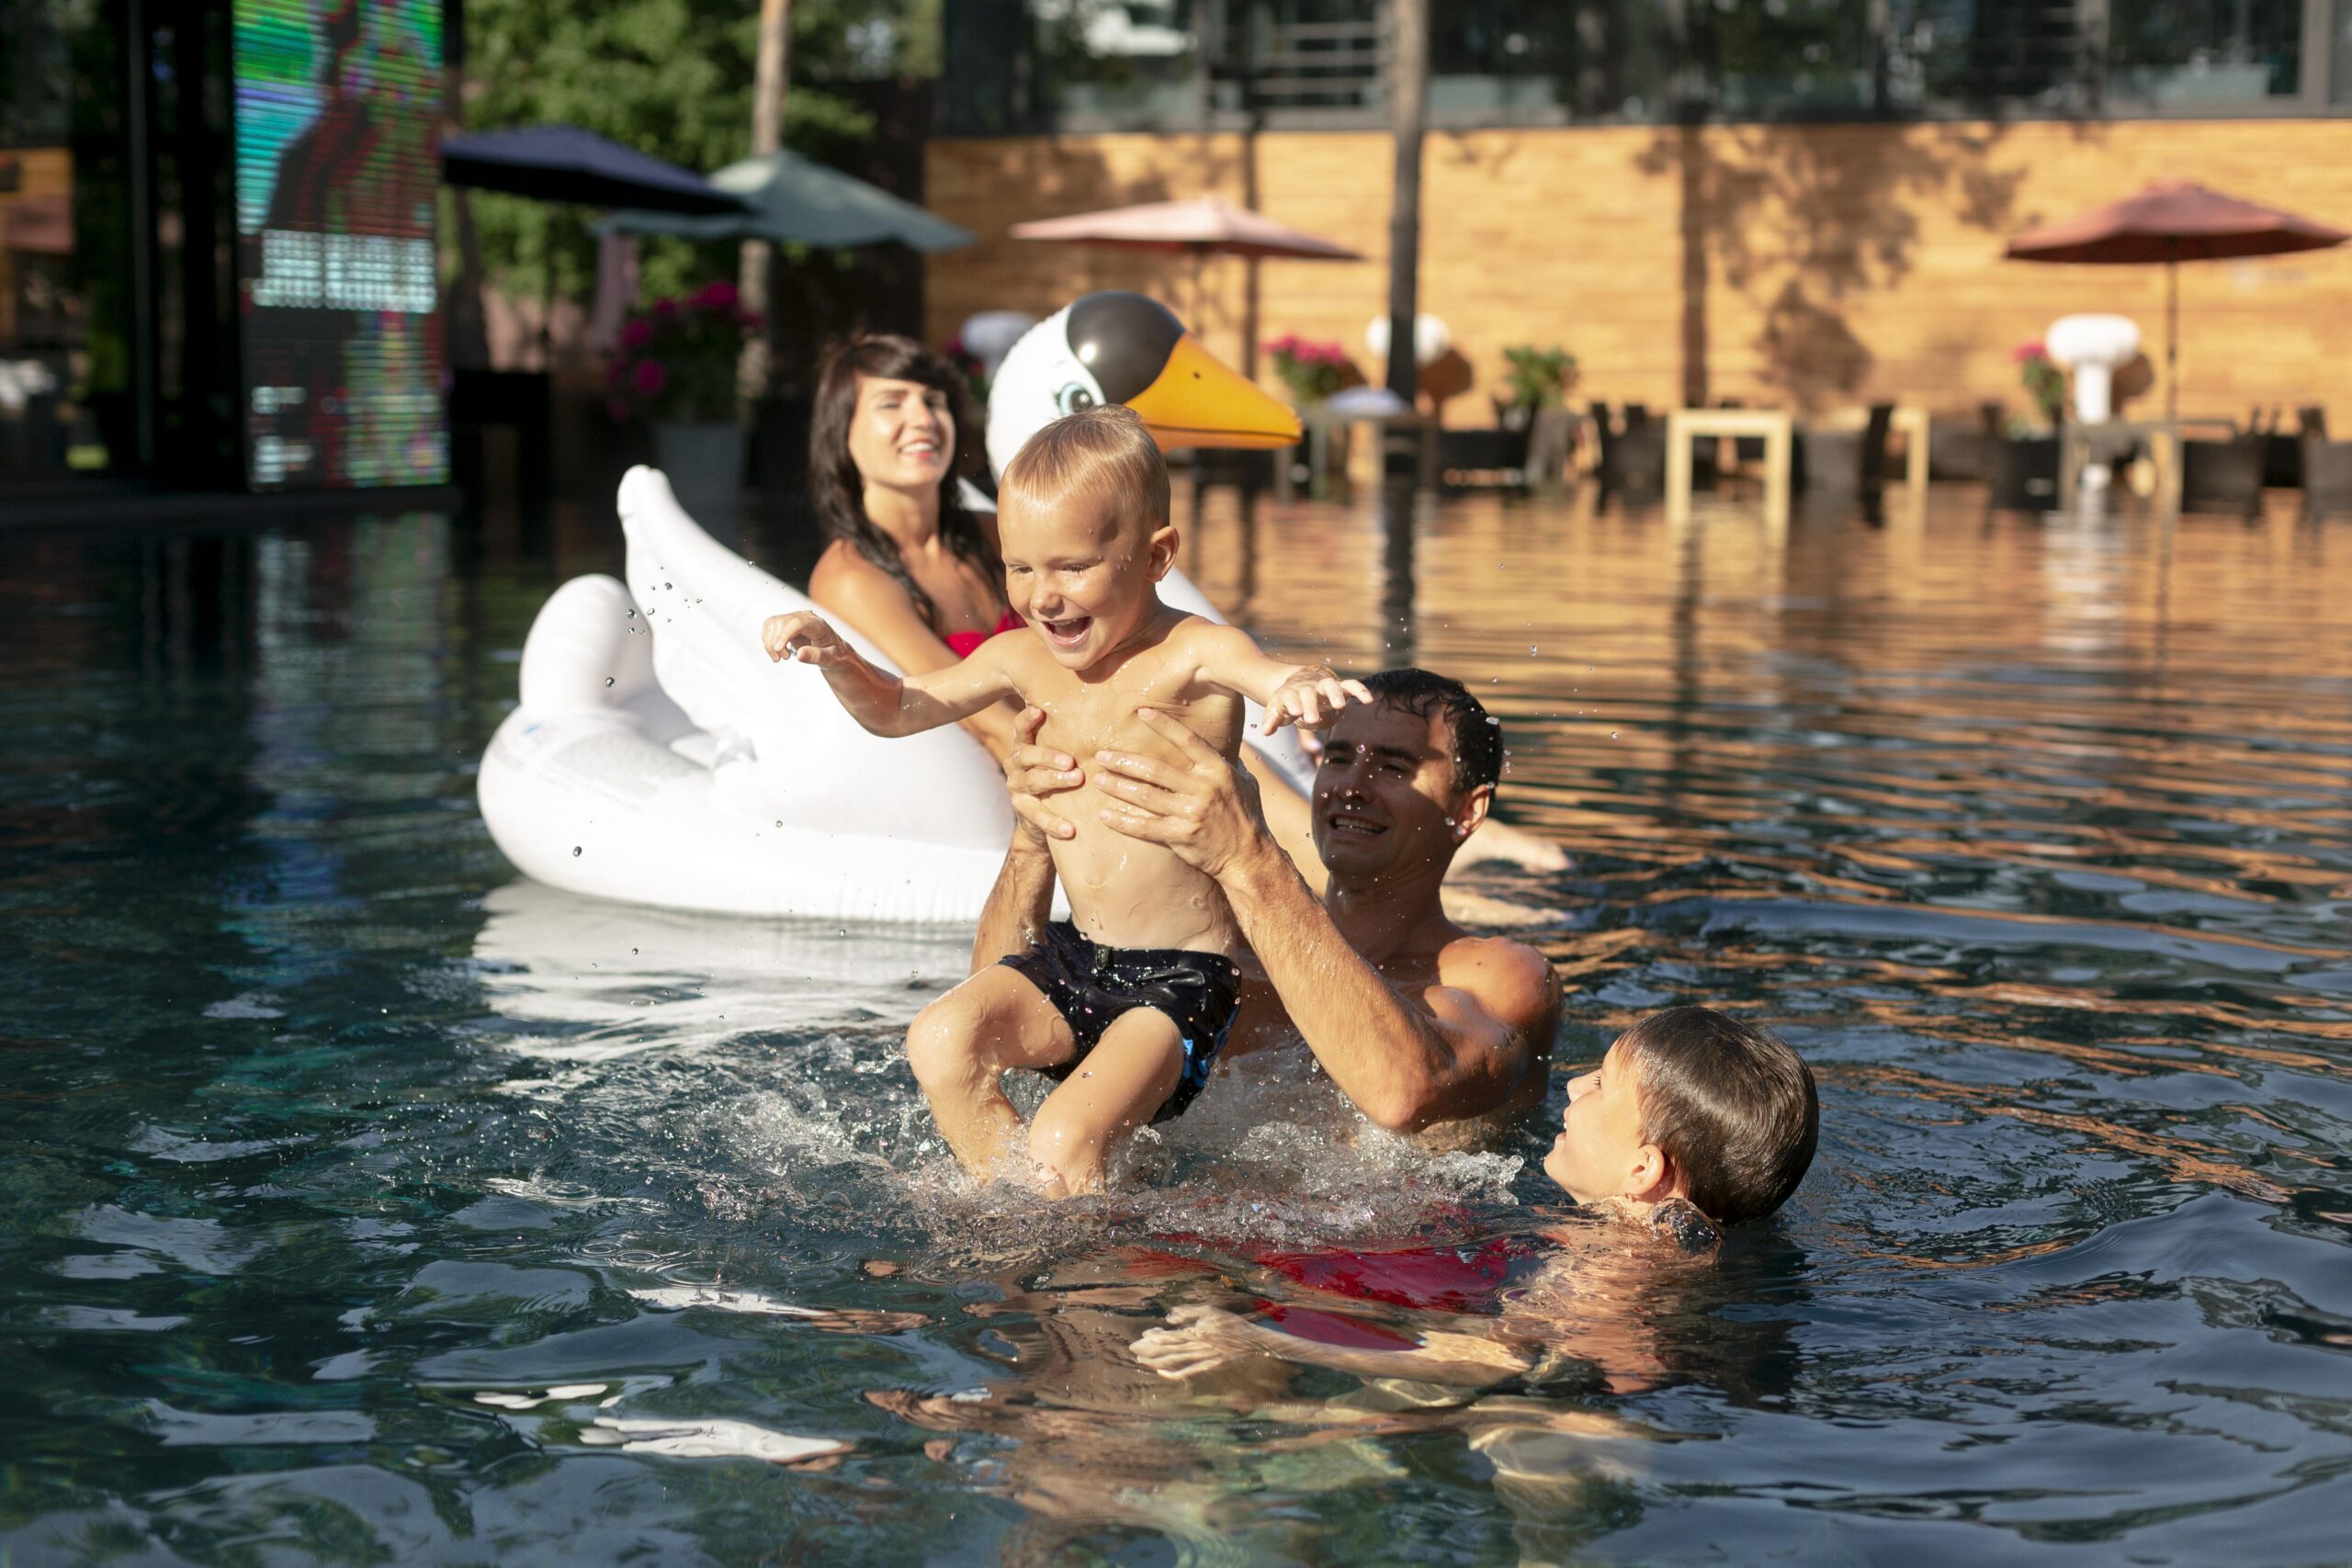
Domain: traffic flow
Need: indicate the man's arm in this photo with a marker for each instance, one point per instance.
(1460, 1046)
(882, 703)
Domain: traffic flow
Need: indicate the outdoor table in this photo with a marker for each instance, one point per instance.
(1319, 423)
(1684, 425)
(1914, 423)
(2081, 443)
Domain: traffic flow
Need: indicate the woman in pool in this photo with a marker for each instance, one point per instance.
(906, 564)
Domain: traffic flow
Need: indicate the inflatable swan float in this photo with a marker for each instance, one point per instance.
(657, 756)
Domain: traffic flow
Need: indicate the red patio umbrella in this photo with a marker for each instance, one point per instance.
(2171, 221)
(1202, 227)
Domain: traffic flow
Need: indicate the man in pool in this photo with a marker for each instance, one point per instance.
(1417, 1021)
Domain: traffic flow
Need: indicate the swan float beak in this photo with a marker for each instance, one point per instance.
(1197, 401)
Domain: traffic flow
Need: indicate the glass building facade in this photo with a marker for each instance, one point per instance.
(1037, 66)
(217, 243)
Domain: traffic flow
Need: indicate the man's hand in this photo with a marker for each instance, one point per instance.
(1311, 698)
(1205, 808)
(1197, 1340)
(804, 637)
(1033, 771)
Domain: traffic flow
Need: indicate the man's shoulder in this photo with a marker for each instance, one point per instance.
(1512, 980)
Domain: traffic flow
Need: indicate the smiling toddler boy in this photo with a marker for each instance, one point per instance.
(1128, 1003)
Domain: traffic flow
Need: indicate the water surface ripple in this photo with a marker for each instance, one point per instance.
(367, 1204)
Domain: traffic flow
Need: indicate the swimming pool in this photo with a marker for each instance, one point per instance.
(364, 1204)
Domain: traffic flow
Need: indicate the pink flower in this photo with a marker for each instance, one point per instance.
(650, 378)
(636, 333)
(716, 295)
(665, 307)
(2026, 353)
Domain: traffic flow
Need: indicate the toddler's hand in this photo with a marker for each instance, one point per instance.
(1312, 697)
(802, 636)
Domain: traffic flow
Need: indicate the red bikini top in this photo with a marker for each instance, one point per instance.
(962, 643)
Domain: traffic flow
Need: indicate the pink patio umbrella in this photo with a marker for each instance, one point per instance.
(1201, 227)
(2171, 221)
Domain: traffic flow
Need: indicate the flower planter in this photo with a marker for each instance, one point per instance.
(704, 463)
(2022, 473)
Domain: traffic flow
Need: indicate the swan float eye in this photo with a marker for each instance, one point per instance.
(1073, 397)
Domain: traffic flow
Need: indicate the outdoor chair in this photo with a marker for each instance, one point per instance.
(1244, 469)
(2020, 471)
(2282, 454)
(1834, 461)
(2327, 465)
(1632, 458)
(2221, 476)
(1960, 449)
(1499, 452)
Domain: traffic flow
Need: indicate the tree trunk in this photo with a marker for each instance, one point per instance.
(770, 83)
(1409, 81)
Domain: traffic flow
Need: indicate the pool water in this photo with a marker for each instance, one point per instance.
(365, 1204)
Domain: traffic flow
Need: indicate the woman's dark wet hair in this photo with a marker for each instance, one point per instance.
(837, 490)
(1731, 1105)
(1475, 734)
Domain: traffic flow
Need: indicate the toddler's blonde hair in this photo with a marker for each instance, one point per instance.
(1104, 452)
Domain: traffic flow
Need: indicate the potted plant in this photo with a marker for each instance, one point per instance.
(2023, 466)
(676, 367)
(1532, 412)
(1310, 371)
(1533, 379)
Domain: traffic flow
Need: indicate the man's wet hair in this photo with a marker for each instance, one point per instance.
(1731, 1104)
(1475, 736)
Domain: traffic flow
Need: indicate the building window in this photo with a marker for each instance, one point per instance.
(1184, 64)
(2200, 53)
(1125, 60)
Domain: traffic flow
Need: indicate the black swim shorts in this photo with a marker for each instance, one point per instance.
(1090, 985)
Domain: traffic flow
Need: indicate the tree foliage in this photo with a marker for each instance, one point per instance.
(668, 78)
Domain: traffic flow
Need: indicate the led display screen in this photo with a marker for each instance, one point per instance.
(338, 114)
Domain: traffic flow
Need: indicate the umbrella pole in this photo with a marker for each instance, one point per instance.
(2172, 334)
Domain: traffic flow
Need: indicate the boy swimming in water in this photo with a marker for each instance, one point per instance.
(1693, 1122)
(1128, 1003)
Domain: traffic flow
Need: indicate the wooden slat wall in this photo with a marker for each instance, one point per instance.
(1825, 264)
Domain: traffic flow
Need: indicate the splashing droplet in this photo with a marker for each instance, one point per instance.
(575, 851)
(632, 614)
(609, 680)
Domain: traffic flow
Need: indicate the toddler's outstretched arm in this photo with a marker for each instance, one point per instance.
(1308, 694)
(885, 703)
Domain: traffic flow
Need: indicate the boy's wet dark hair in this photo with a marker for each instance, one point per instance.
(1730, 1104)
(1475, 736)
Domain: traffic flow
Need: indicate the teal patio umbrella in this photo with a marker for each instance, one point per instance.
(790, 200)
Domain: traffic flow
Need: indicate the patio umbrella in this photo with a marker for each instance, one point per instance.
(1203, 227)
(563, 163)
(2171, 221)
(787, 199)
